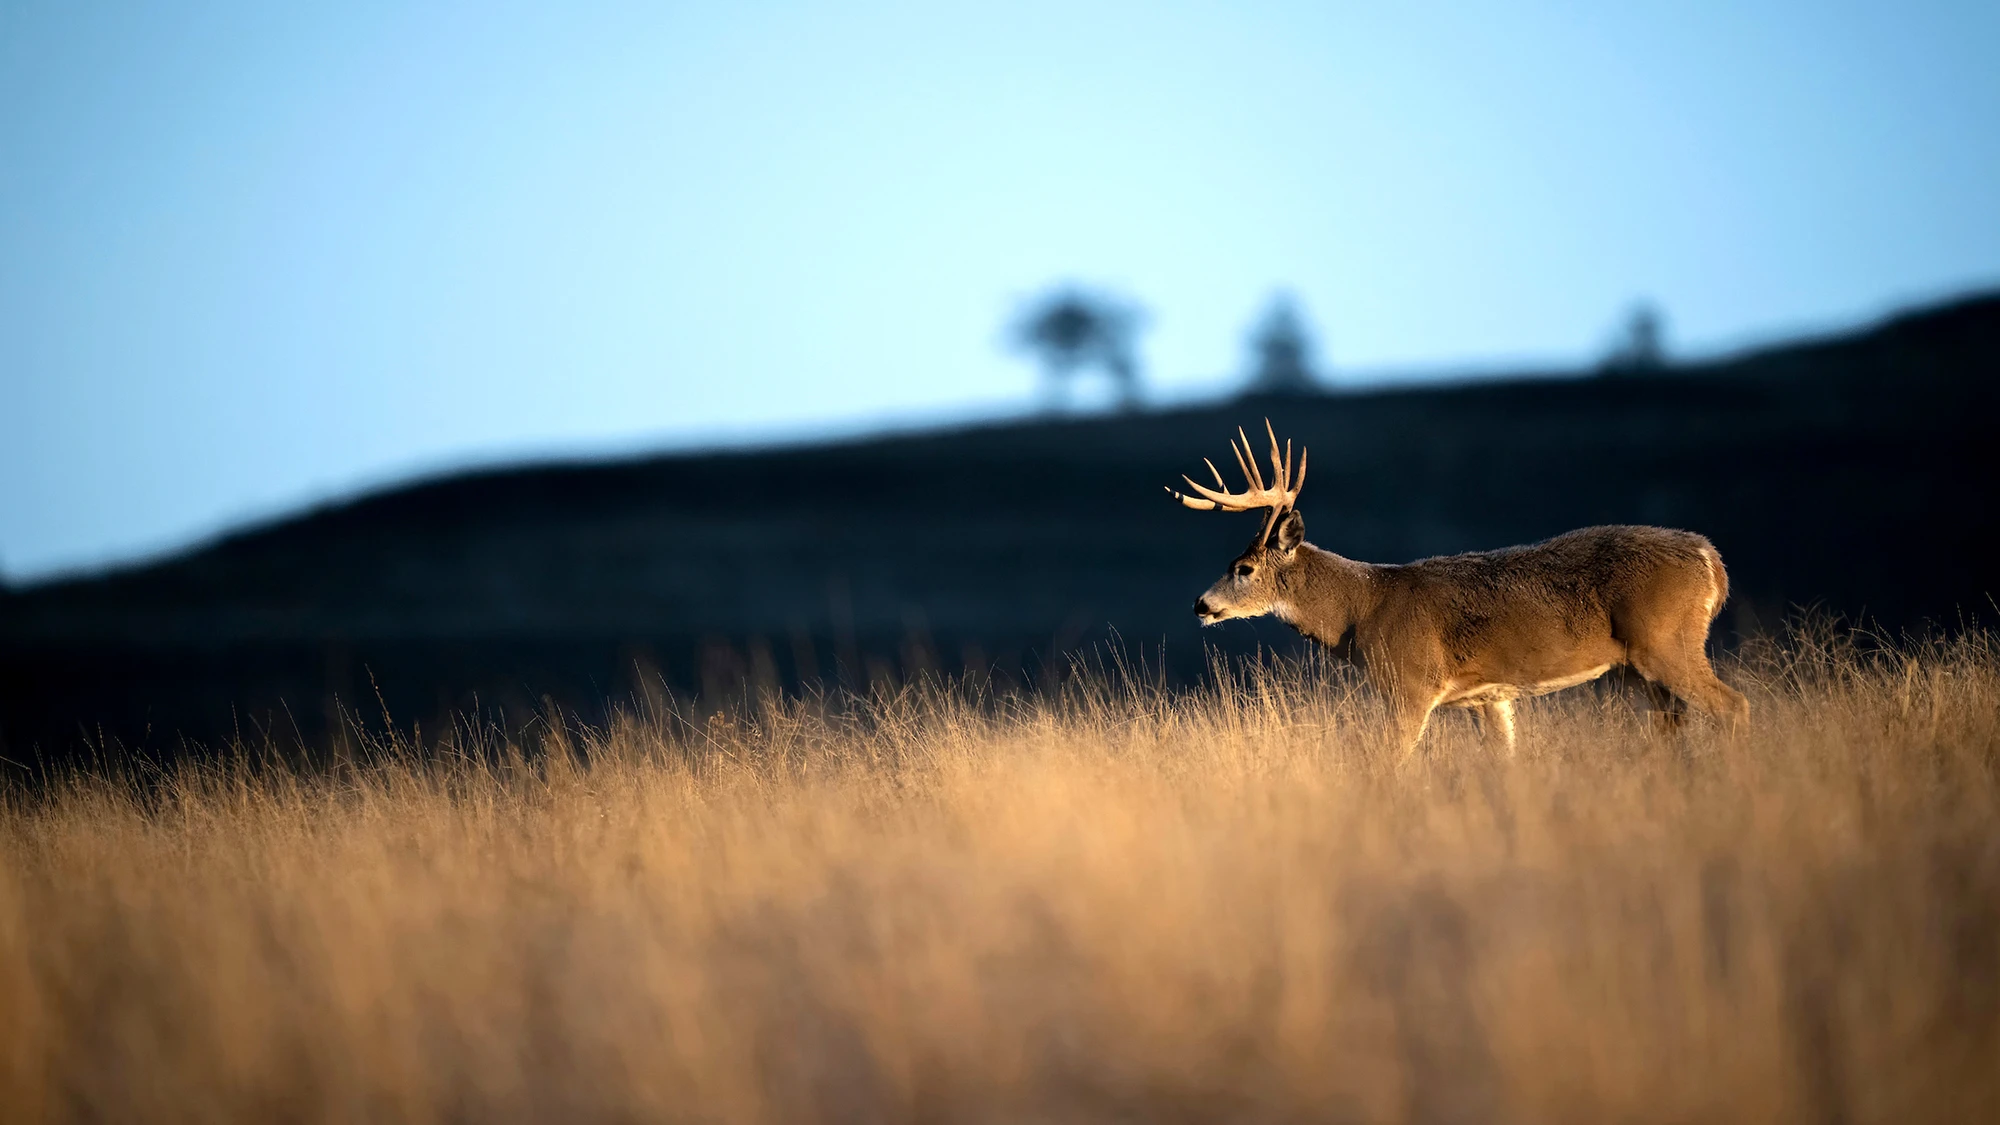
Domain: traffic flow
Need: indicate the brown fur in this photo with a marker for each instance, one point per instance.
(1483, 629)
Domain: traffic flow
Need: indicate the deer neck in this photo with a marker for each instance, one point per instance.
(1323, 594)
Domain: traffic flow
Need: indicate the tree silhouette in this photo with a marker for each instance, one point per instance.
(1281, 351)
(1640, 348)
(1071, 329)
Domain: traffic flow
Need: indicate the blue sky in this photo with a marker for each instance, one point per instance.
(254, 254)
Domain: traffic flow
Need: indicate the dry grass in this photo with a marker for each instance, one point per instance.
(1121, 903)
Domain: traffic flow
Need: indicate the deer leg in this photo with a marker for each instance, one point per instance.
(1688, 676)
(1663, 707)
(1413, 717)
(1496, 720)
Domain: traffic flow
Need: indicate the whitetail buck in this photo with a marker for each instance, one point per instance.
(1483, 629)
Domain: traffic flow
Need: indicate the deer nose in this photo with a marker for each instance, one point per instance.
(1201, 608)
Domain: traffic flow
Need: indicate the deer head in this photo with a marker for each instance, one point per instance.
(1254, 582)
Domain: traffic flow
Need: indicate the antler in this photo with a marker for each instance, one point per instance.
(1279, 497)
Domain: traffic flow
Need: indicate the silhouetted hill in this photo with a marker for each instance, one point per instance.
(1852, 472)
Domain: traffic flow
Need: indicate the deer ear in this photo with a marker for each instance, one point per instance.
(1291, 532)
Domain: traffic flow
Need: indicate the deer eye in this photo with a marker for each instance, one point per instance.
(1243, 570)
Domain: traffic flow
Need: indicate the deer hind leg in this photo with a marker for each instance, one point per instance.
(1666, 709)
(1496, 720)
(1684, 671)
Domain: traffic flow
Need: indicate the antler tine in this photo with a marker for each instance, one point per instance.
(1194, 502)
(1299, 485)
(1240, 465)
(1278, 467)
(1248, 460)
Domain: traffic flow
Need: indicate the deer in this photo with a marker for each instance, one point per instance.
(1484, 629)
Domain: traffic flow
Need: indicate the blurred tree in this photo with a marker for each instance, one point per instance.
(1070, 329)
(1640, 347)
(1281, 352)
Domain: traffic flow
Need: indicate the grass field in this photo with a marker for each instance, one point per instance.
(1110, 903)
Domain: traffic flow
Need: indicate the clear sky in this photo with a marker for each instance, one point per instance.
(256, 254)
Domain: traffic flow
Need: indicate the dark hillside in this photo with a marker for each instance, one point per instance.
(1856, 473)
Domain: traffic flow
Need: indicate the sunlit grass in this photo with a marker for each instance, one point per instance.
(1113, 902)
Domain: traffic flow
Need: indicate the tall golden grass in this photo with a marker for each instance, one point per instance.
(1111, 902)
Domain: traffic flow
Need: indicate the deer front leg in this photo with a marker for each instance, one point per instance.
(1496, 720)
(1412, 713)
(1411, 687)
